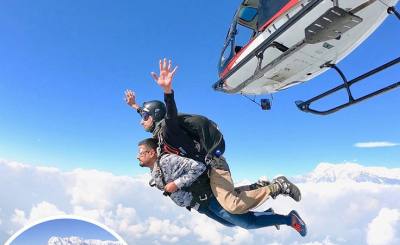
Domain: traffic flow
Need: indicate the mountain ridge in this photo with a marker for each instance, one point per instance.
(328, 172)
(73, 240)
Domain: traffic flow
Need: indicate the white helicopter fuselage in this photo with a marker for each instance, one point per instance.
(302, 61)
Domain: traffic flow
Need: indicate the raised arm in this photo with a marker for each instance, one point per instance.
(130, 99)
(164, 80)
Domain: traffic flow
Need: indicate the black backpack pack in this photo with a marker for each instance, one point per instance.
(205, 132)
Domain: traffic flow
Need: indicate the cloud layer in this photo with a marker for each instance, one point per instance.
(383, 229)
(342, 204)
(375, 144)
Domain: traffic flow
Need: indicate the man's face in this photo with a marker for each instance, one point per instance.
(146, 156)
(146, 121)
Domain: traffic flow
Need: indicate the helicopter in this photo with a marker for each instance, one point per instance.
(289, 42)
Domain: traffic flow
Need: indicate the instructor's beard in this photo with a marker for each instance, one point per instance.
(151, 129)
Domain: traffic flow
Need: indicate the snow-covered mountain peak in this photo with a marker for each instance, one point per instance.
(73, 240)
(327, 172)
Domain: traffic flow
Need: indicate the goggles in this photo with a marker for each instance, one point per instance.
(145, 115)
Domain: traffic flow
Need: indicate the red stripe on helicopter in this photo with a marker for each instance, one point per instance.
(229, 66)
(278, 14)
(285, 8)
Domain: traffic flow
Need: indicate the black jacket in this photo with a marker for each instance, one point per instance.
(174, 135)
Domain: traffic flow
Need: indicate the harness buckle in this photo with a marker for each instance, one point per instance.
(208, 159)
(205, 197)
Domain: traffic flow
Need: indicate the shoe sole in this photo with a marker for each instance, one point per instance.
(300, 221)
(294, 187)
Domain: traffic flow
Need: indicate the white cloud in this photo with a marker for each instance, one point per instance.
(165, 227)
(383, 229)
(39, 211)
(95, 189)
(19, 218)
(375, 144)
(341, 203)
(241, 236)
(207, 230)
(43, 210)
(14, 165)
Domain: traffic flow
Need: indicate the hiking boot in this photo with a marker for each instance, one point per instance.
(260, 183)
(297, 223)
(270, 210)
(282, 185)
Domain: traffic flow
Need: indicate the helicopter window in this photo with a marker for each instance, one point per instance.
(235, 41)
(243, 36)
(226, 56)
(247, 13)
(268, 8)
(241, 31)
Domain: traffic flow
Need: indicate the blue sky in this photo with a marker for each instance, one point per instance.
(64, 66)
(41, 233)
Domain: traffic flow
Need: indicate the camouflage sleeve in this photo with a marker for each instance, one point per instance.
(191, 171)
(183, 171)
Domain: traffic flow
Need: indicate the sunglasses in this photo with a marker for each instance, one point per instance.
(145, 116)
(143, 152)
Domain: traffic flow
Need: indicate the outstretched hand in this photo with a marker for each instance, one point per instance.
(130, 98)
(166, 75)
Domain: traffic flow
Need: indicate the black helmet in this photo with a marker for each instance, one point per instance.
(155, 108)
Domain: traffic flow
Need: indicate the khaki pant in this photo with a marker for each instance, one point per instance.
(235, 202)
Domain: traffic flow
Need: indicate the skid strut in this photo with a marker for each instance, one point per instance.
(305, 105)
